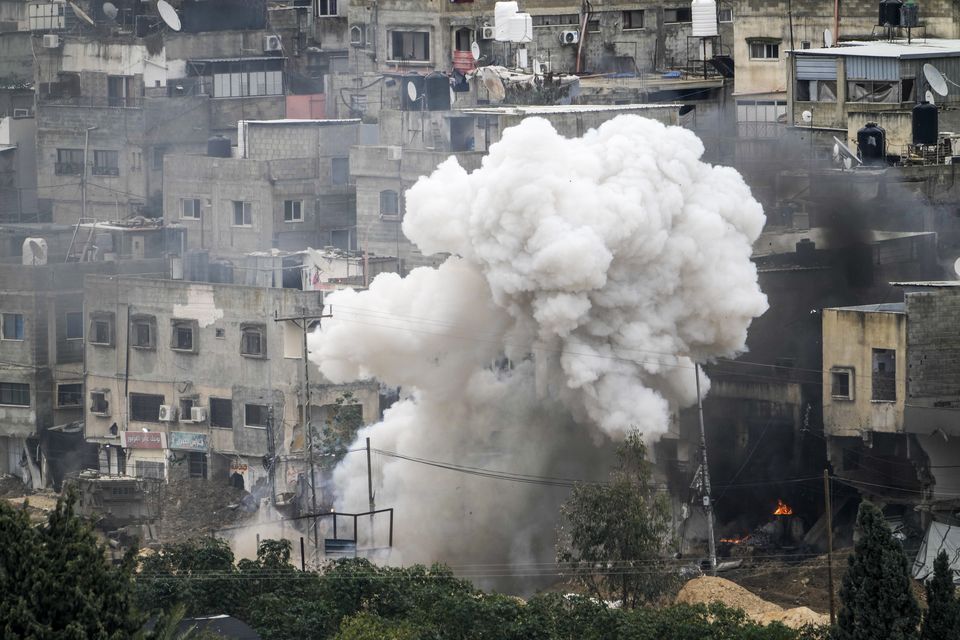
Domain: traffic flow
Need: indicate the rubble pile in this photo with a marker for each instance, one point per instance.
(707, 589)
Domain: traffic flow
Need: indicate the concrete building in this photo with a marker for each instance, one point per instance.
(413, 143)
(289, 188)
(18, 168)
(189, 379)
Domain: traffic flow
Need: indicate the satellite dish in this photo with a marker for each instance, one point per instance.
(494, 86)
(475, 50)
(80, 13)
(956, 267)
(841, 152)
(807, 116)
(168, 14)
(936, 80)
(110, 10)
(412, 92)
(827, 38)
(928, 96)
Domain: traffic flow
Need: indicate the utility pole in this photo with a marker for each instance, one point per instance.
(370, 491)
(705, 478)
(304, 318)
(829, 508)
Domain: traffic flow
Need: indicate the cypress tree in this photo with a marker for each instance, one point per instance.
(943, 615)
(876, 594)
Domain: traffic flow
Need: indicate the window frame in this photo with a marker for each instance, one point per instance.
(78, 394)
(104, 395)
(265, 417)
(106, 162)
(291, 207)
(140, 397)
(179, 324)
(765, 44)
(327, 9)
(138, 321)
(624, 19)
(19, 323)
(215, 415)
(888, 380)
(197, 207)
(66, 322)
(69, 162)
(245, 209)
(197, 464)
(392, 35)
(342, 170)
(261, 331)
(385, 215)
(9, 389)
(98, 318)
(850, 373)
(686, 12)
(720, 11)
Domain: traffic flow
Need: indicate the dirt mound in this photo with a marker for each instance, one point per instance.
(709, 589)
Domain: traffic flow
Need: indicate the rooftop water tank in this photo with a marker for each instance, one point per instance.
(925, 123)
(704, 16)
(872, 142)
(437, 88)
(219, 147)
(909, 14)
(890, 13)
(411, 98)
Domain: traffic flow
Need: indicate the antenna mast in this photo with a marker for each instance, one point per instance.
(704, 476)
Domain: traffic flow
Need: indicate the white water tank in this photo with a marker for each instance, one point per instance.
(704, 17)
(502, 14)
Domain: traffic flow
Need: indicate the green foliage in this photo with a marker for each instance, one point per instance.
(876, 594)
(55, 581)
(339, 431)
(942, 621)
(622, 526)
(367, 626)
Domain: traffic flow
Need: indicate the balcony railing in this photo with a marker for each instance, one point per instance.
(105, 171)
(68, 168)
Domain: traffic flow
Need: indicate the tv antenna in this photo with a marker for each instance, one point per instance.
(169, 15)
(843, 155)
(827, 38)
(937, 81)
(928, 96)
(475, 50)
(80, 13)
(956, 267)
(412, 92)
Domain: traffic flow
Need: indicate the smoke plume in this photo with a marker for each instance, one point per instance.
(585, 277)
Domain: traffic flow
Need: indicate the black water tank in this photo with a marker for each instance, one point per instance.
(909, 14)
(406, 102)
(925, 123)
(438, 92)
(219, 147)
(890, 13)
(871, 140)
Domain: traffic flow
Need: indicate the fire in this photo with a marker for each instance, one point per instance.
(782, 509)
(740, 540)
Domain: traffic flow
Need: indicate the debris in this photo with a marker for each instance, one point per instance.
(709, 589)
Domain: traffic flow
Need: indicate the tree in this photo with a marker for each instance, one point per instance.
(621, 528)
(942, 621)
(55, 581)
(876, 594)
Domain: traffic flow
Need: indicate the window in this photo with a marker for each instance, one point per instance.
(593, 26)
(69, 395)
(326, 8)
(632, 19)
(186, 404)
(220, 333)
(12, 326)
(190, 208)
(106, 163)
(158, 153)
(256, 415)
(389, 204)
(74, 325)
(147, 469)
(410, 45)
(816, 91)
(253, 341)
(221, 413)
(340, 171)
(143, 330)
(683, 14)
(99, 404)
(183, 336)
(841, 384)
(884, 375)
(873, 91)
(69, 162)
(566, 19)
(293, 210)
(101, 329)
(725, 15)
(145, 407)
(242, 214)
(760, 50)
(804, 44)
(197, 464)
(120, 91)
(15, 393)
(248, 83)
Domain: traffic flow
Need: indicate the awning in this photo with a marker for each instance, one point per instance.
(7, 147)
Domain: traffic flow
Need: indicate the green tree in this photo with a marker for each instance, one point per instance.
(55, 581)
(622, 526)
(942, 621)
(876, 594)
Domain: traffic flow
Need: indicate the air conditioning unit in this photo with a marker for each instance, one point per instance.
(357, 35)
(198, 414)
(51, 41)
(487, 32)
(167, 413)
(272, 43)
(570, 37)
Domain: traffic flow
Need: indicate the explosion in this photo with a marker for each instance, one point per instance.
(585, 278)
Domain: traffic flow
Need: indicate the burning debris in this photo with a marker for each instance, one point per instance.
(596, 271)
(782, 509)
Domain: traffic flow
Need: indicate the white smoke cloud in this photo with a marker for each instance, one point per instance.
(602, 266)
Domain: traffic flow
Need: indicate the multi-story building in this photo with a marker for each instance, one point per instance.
(288, 187)
(189, 379)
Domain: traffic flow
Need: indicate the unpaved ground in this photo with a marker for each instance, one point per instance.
(711, 589)
(790, 583)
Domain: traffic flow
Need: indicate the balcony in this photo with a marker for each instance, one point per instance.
(105, 171)
(68, 168)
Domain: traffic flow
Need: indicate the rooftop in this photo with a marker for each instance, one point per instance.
(917, 49)
(884, 307)
(318, 122)
(534, 110)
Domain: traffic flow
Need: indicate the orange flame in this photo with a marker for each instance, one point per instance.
(735, 540)
(782, 509)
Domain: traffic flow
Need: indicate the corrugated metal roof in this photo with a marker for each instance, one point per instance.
(816, 68)
(867, 68)
(926, 48)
